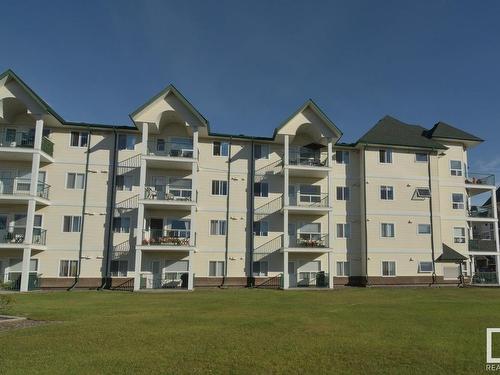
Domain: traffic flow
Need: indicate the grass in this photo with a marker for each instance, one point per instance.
(376, 331)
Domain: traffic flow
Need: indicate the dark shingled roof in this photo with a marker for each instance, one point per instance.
(390, 131)
(488, 202)
(443, 130)
(450, 256)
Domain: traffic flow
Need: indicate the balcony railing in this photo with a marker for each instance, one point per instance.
(16, 138)
(308, 200)
(170, 149)
(480, 179)
(488, 245)
(317, 279)
(165, 281)
(313, 240)
(168, 193)
(21, 186)
(17, 235)
(479, 212)
(484, 278)
(307, 158)
(169, 237)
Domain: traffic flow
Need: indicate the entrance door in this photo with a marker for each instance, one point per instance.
(292, 274)
(155, 230)
(156, 271)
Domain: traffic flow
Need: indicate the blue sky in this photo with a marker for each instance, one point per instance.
(247, 65)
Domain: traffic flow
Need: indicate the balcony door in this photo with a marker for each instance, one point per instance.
(7, 181)
(3, 228)
(292, 195)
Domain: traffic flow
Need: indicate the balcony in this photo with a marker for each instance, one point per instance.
(486, 245)
(168, 280)
(486, 278)
(480, 179)
(161, 239)
(17, 190)
(478, 213)
(308, 203)
(170, 155)
(18, 145)
(15, 237)
(308, 163)
(168, 196)
(309, 241)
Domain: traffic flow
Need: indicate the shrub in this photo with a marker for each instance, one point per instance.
(5, 302)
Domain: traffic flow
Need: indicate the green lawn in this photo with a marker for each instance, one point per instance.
(373, 330)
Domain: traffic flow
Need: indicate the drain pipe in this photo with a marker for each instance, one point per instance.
(84, 206)
(109, 247)
(431, 222)
(251, 211)
(365, 224)
(226, 255)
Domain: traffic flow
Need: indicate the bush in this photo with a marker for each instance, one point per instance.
(5, 302)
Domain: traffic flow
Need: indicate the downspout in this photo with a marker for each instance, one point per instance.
(226, 254)
(109, 247)
(432, 222)
(84, 206)
(365, 224)
(251, 211)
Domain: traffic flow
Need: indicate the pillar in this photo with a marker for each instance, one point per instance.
(330, 270)
(495, 225)
(190, 272)
(25, 271)
(286, 281)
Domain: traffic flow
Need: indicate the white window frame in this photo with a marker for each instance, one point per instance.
(345, 267)
(261, 233)
(345, 193)
(346, 228)
(127, 137)
(454, 171)
(260, 273)
(219, 232)
(385, 189)
(261, 190)
(217, 263)
(343, 159)
(420, 266)
(70, 261)
(79, 139)
(219, 189)
(72, 224)
(120, 261)
(76, 175)
(122, 228)
(382, 268)
(421, 153)
(423, 188)
(462, 238)
(222, 154)
(128, 182)
(388, 158)
(424, 233)
(382, 230)
(263, 146)
(457, 205)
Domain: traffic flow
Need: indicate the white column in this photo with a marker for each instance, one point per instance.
(495, 226)
(140, 208)
(286, 281)
(330, 270)
(190, 272)
(25, 271)
(194, 187)
(286, 181)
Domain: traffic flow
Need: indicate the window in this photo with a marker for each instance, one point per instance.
(421, 157)
(79, 139)
(220, 148)
(344, 230)
(75, 181)
(343, 269)
(343, 193)
(261, 151)
(68, 268)
(260, 268)
(124, 182)
(219, 187)
(388, 268)
(425, 267)
(218, 227)
(387, 193)
(261, 189)
(423, 192)
(121, 224)
(72, 223)
(215, 268)
(119, 268)
(387, 229)
(126, 141)
(458, 201)
(342, 157)
(455, 167)
(424, 229)
(385, 156)
(459, 235)
(260, 228)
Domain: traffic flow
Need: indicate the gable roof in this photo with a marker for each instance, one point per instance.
(167, 90)
(450, 256)
(444, 130)
(310, 103)
(392, 132)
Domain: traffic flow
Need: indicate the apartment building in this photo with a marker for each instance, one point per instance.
(167, 203)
